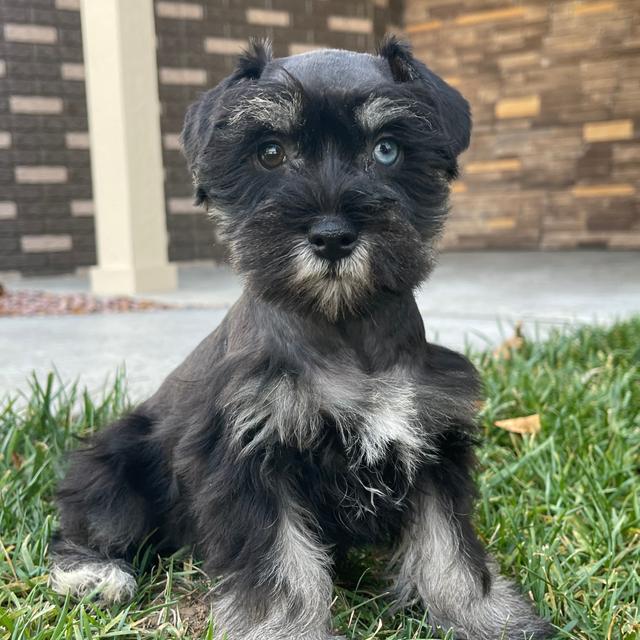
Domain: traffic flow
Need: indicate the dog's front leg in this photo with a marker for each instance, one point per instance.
(284, 591)
(443, 563)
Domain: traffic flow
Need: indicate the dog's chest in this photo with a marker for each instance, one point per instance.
(351, 443)
(374, 416)
(368, 417)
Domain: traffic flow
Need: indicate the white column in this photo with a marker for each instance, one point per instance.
(126, 155)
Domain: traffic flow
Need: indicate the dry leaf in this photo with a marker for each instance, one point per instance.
(17, 460)
(515, 342)
(522, 425)
(479, 404)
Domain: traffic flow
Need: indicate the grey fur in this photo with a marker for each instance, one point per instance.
(433, 565)
(302, 588)
(338, 292)
(290, 411)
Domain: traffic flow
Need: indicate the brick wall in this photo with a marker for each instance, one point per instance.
(46, 222)
(555, 90)
(46, 211)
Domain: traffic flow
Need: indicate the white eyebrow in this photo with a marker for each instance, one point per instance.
(378, 111)
(281, 111)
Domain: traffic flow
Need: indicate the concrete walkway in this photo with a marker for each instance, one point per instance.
(472, 299)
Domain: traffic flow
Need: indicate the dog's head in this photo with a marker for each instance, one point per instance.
(328, 172)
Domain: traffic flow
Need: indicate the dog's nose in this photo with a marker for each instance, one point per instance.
(332, 238)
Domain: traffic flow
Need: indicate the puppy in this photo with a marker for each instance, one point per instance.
(316, 418)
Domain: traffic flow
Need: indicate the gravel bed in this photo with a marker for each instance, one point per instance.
(41, 303)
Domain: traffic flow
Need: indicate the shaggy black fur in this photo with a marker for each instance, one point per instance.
(316, 417)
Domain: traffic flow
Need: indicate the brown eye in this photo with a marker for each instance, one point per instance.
(271, 155)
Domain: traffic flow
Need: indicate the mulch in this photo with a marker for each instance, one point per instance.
(41, 303)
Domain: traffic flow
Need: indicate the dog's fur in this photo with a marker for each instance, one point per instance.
(316, 418)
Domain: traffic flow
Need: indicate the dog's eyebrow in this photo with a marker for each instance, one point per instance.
(378, 111)
(281, 111)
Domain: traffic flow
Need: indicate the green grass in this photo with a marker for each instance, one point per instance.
(560, 510)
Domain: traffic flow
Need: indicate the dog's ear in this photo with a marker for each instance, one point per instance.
(201, 117)
(451, 109)
(196, 133)
(253, 59)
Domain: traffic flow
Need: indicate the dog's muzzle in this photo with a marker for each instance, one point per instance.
(332, 238)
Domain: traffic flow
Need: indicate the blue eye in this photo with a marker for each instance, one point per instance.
(386, 152)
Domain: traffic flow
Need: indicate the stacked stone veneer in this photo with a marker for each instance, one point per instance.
(555, 90)
(46, 209)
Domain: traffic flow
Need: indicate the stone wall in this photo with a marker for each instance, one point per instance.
(555, 91)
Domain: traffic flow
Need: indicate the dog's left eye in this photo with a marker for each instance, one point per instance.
(386, 152)
(271, 155)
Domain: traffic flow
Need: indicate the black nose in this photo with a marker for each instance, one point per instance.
(332, 238)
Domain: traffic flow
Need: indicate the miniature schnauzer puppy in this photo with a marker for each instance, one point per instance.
(316, 418)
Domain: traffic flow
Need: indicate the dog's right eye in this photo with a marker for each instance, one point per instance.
(271, 155)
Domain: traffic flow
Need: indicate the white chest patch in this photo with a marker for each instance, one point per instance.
(371, 414)
(377, 415)
(391, 421)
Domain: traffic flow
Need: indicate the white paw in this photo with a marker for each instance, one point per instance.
(106, 581)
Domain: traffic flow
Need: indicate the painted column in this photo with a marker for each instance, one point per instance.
(126, 156)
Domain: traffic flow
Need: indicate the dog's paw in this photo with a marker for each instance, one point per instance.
(107, 582)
